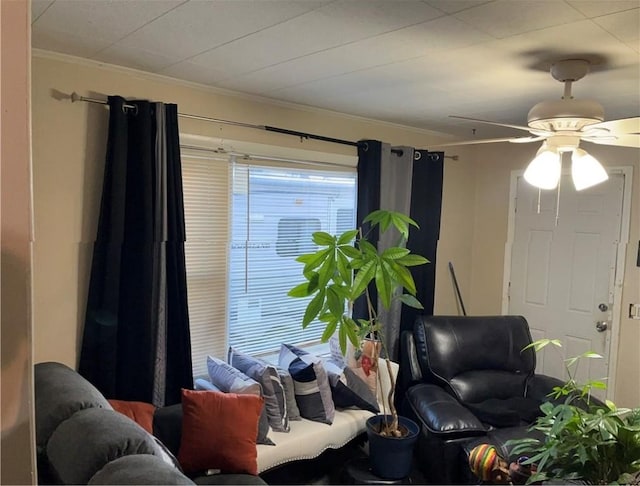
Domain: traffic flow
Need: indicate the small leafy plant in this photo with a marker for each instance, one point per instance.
(341, 271)
(584, 439)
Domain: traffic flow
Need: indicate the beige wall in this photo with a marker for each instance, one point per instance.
(456, 232)
(17, 458)
(68, 144)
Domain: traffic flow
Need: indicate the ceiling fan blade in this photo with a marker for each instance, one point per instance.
(517, 127)
(490, 140)
(628, 140)
(618, 127)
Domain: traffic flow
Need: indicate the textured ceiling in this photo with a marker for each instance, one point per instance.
(403, 61)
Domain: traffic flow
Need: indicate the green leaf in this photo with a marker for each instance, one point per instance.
(357, 263)
(329, 330)
(327, 270)
(537, 478)
(364, 275)
(406, 219)
(313, 279)
(314, 260)
(301, 290)
(547, 408)
(367, 248)
(313, 309)
(399, 222)
(305, 257)
(352, 330)
(334, 302)
(375, 217)
(582, 454)
(412, 260)
(386, 218)
(597, 384)
(342, 262)
(350, 251)
(383, 284)
(403, 277)
(347, 237)
(342, 339)
(394, 253)
(411, 301)
(342, 291)
(323, 239)
(541, 344)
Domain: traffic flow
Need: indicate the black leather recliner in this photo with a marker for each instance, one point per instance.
(466, 381)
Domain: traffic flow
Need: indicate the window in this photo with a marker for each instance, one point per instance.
(275, 211)
(245, 226)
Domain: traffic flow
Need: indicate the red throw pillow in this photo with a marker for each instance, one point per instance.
(140, 412)
(219, 432)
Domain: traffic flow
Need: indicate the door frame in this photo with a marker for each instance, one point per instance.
(620, 255)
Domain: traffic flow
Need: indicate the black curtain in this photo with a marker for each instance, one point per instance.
(136, 342)
(419, 194)
(426, 206)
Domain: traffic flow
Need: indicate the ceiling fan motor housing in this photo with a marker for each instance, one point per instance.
(565, 115)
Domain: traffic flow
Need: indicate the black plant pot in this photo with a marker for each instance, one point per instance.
(390, 457)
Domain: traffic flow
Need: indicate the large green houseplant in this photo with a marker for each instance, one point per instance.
(342, 270)
(584, 439)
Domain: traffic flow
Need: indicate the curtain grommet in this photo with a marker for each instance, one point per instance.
(126, 107)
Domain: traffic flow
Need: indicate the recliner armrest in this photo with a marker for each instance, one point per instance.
(441, 413)
(409, 359)
(539, 387)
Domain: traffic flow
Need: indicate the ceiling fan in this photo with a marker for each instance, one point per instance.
(561, 125)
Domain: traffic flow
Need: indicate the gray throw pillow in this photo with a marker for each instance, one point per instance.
(263, 421)
(229, 379)
(272, 390)
(348, 389)
(290, 394)
(90, 439)
(139, 469)
(313, 393)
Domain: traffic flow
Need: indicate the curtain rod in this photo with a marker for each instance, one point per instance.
(76, 97)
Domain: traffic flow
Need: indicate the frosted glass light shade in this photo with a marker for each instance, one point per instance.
(586, 171)
(544, 170)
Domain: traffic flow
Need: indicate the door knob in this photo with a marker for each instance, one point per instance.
(602, 326)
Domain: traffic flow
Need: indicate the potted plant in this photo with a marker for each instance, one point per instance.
(585, 440)
(341, 272)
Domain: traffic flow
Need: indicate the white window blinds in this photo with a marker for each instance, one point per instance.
(206, 185)
(275, 209)
(245, 225)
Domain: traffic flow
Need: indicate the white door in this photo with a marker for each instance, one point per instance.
(562, 275)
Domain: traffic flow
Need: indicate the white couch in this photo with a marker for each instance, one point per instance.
(308, 439)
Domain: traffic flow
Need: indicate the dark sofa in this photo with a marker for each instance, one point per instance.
(80, 439)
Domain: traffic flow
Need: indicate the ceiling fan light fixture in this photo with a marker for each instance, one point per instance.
(544, 170)
(586, 171)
